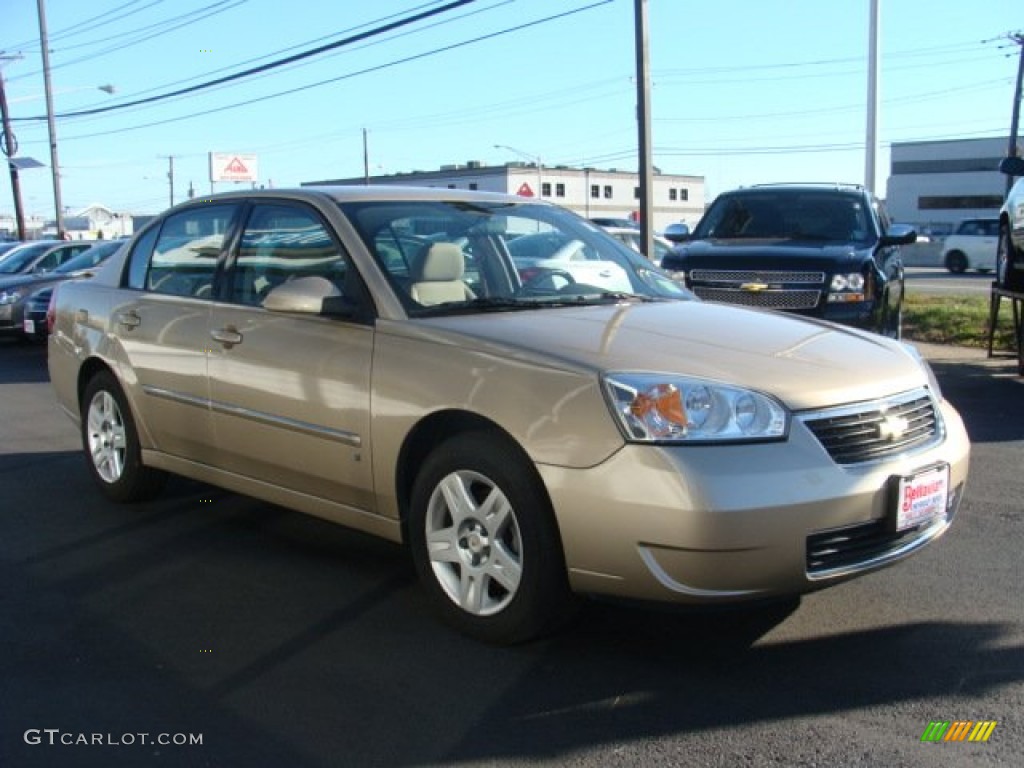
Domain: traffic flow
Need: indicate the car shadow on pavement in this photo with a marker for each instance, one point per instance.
(989, 395)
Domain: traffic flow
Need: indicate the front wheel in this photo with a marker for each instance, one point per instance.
(956, 262)
(485, 543)
(1004, 249)
(111, 443)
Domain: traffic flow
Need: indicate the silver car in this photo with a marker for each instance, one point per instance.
(373, 356)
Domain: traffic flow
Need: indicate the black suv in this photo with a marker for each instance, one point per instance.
(825, 250)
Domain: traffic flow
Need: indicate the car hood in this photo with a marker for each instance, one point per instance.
(805, 363)
(17, 281)
(767, 254)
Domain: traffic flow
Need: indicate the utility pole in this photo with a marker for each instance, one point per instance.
(51, 124)
(10, 148)
(1011, 151)
(170, 177)
(871, 137)
(643, 115)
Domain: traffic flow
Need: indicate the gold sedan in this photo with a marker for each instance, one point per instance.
(377, 356)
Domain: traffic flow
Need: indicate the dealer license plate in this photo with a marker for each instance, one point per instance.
(922, 497)
(29, 326)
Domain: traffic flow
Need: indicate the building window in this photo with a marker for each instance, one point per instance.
(595, 191)
(959, 202)
(451, 186)
(607, 191)
(559, 190)
(636, 193)
(473, 185)
(684, 194)
(545, 189)
(672, 194)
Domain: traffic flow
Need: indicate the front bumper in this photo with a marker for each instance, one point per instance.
(706, 524)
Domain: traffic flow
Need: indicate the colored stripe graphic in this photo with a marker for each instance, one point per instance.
(959, 730)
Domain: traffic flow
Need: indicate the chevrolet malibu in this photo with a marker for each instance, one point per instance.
(373, 356)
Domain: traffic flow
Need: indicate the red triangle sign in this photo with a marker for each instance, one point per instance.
(524, 190)
(236, 166)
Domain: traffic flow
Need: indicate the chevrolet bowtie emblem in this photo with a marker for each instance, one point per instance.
(754, 287)
(892, 428)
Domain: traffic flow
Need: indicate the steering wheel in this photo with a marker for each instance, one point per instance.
(549, 275)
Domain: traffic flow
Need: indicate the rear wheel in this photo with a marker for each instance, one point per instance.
(111, 443)
(1003, 251)
(485, 543)
(956, 262)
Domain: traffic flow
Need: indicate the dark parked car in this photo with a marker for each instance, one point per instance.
(1010, 253)
(17, 291)
(824, 250)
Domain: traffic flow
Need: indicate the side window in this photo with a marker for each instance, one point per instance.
(282, 243)
(185, 255)
(48, 263)
(138, 261)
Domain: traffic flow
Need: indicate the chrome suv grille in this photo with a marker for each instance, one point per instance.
(768, 299)
(872, 431)
(774, 290)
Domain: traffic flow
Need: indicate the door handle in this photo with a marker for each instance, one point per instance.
(228, 336)
(129, 319)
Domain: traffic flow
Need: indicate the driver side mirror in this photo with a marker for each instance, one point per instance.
(1012, 166)
(310, 295)
(677, 233)
(898, 234)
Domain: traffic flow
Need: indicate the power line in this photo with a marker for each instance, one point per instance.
(266, 67)
(349, 75)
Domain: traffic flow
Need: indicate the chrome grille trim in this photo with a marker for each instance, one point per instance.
(756, 276)
(856, 433)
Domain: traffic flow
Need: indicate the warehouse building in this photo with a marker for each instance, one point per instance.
(590, 192)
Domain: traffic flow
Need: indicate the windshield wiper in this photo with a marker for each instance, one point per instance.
(482, 304)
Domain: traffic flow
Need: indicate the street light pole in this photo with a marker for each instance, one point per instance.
(532, 158)
(51, 124)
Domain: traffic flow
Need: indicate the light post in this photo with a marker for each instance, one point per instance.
(535, 159)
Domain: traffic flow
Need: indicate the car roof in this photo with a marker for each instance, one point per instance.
(371, 193)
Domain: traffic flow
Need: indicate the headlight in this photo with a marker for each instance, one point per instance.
(933, 383)
(848, 287)
(10, 296)
(662, 408)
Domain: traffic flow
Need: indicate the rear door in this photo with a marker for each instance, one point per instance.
(291, 392)
(162, 323)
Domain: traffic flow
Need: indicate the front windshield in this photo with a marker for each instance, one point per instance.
(468, 255)
(812, 215)
(20, 259)
(89, 258)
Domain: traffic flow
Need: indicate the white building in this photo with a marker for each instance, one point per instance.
(590, 192)
(936, 184)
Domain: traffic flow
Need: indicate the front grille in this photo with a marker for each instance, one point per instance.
(871, 431)
(766, 299)
(755, 276)
(848, 547)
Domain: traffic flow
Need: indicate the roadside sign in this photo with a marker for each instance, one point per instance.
(228, 166)
(524, 190)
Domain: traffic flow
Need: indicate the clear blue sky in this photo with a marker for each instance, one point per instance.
(744, 91)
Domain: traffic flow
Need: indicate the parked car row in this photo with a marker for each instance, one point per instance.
(381, 357)
(26, 273)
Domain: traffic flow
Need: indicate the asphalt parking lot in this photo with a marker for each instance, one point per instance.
(280, 640)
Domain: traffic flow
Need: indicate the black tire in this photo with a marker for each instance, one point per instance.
(956, 262)
(503, 579)
(111, 443)
(1004, 249)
